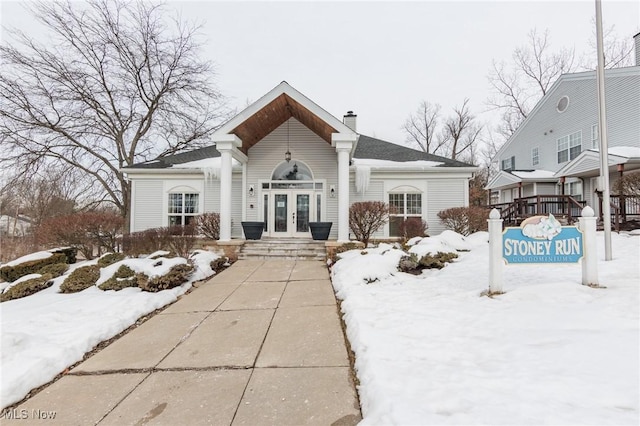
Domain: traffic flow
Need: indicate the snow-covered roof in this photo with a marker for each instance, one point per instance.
(533, 174)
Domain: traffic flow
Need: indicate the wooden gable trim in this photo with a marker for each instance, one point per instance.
(272, 115)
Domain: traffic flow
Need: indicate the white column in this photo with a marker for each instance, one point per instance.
(343, 143)
(343, 194)
(590, 248)
(496, 264)
(225, 145)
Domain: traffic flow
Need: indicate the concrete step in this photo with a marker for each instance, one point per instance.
(283, 249)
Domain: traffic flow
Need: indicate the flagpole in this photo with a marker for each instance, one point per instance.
(602, 130)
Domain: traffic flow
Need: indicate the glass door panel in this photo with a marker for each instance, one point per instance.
(302, 212)
(280, 215)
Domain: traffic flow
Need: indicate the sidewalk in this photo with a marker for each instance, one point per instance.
(259, 344)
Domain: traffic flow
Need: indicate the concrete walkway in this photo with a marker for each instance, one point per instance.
(259, 344)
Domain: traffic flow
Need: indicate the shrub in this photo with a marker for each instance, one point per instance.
(84, 231)
(12, 273)
(81, 278)
(208, 224)
(413, 227)
(181, 239)
(27, 288)
(55, 269)
(335, 255)
(176, 276)
(220, 264)
(436, 261)
(465, 220)
(628, 184)
(69, 252)
(110, 259)
(409, 264)
(366, 217)
(124, 277)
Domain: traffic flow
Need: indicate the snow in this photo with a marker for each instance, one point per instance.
(29, 257)
(46, 332)
(209, 166)
(431, 350)
(388, 164)
(534, 174)
(363, 176)
(625, 151)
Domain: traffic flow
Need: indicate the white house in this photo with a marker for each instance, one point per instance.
(287, 162)
(556, 148)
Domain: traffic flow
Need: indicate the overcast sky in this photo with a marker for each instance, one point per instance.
(379, 59)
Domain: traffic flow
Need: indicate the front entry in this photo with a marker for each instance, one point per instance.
(290, 213)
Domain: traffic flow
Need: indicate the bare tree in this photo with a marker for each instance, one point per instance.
(421, 125)
(117, 83)
(461, 132)
(618, 52)
(517, 86)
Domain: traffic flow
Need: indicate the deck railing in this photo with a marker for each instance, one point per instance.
(562, 206)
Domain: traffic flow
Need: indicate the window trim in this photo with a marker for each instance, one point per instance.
(405, 193)
(182, 214)
(568, 141)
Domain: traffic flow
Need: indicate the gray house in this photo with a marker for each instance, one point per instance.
(286, 162)
(555, 151)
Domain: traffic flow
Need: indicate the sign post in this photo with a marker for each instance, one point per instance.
(542, 239)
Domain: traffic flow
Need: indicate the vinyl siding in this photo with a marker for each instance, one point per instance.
(306, 147)
(147, 204)
(375, 192)
(443, 194)
(547, 125)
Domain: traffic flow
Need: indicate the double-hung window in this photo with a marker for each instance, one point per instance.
(535, 156)
(402, 206)
(595, 140)
(569, 147)
(183, 208)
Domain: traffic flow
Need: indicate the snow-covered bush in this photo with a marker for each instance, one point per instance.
(220, 264)
(27, 287)
(55, 269)
(16, 269)
(177, 275)
(110, 258)
(80, 279)
(437, 260)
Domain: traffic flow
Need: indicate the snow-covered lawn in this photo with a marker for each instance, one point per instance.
(43, 334)
(430, 350)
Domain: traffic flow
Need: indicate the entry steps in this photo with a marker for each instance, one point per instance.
(281, 248)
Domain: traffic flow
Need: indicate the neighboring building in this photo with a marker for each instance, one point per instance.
(14, 226)
(556, 149)
(244, 176)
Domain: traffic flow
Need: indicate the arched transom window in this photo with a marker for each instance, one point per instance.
(293, 170)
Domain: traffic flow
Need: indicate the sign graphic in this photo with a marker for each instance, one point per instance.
(542, 239)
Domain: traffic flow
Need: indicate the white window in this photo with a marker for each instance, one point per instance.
(183, 208)
(574, 189)
(507, 164)
(403, 206)
(535, 157)
(595, 143)
(569, 147)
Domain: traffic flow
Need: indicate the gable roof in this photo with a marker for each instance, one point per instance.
(579, 76)
(377, 149)
(277, 106)
(504, 178)
(588, 162)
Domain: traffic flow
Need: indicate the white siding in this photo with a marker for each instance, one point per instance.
(443, 194)
(375, 192)
(546, 124)
(147, 204)
(305, 146)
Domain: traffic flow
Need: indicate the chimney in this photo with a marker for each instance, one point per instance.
(350, 119)
(636, 39)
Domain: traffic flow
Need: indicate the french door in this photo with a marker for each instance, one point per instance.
(290, 213)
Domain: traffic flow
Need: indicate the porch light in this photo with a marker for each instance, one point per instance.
(332, 191)
(287, 155)
(251, 191)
